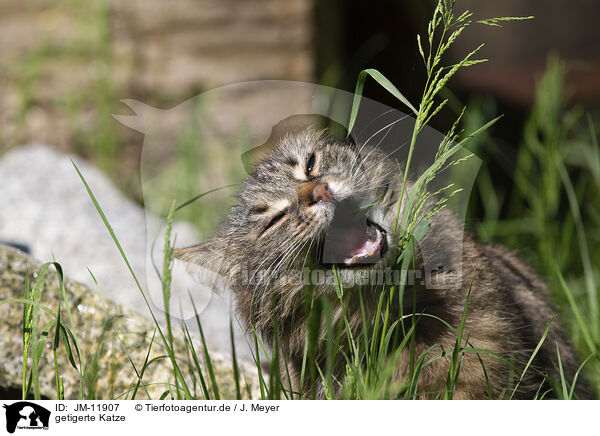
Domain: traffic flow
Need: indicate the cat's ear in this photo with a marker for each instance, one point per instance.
(207, 254)
(205, 263)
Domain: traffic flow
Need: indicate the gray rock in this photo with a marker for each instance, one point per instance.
(108, 336)
(46, 209)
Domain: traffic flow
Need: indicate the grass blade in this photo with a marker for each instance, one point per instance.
(535, 351)
(383, 81)
(179, 374)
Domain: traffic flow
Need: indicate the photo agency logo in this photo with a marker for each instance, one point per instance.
(197, 156)
(24, 415)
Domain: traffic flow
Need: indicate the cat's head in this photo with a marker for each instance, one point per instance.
(313, 201)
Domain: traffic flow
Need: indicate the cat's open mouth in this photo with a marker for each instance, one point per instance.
(352, 238)
(369, 247)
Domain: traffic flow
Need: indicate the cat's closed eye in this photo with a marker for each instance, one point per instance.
(274, 220)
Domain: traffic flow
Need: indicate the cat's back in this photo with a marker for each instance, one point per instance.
(525, 299)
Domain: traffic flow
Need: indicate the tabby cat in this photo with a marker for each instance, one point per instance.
(315, 201)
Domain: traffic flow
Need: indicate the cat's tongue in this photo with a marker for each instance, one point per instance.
(369, 249)
(352, 245)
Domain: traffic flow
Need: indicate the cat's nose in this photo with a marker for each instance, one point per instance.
(321, 192)
(312, 193)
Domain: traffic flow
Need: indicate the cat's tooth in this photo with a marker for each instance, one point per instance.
(369, 249)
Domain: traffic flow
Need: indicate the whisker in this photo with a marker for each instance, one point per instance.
(387, 155)
(307, 253)
(388, 126)
(280, 259)
(370, 188)
(292, 242)
(287, 251)
(372, 121)
(374, 148)
(281, 264)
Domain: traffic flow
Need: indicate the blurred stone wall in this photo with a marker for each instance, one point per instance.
(64, 65)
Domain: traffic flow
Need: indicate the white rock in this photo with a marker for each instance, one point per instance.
(45, 206)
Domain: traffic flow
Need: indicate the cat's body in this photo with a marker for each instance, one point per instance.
(304, 204)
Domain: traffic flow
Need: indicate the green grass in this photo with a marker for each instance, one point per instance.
(552, 208)
(551, 214)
